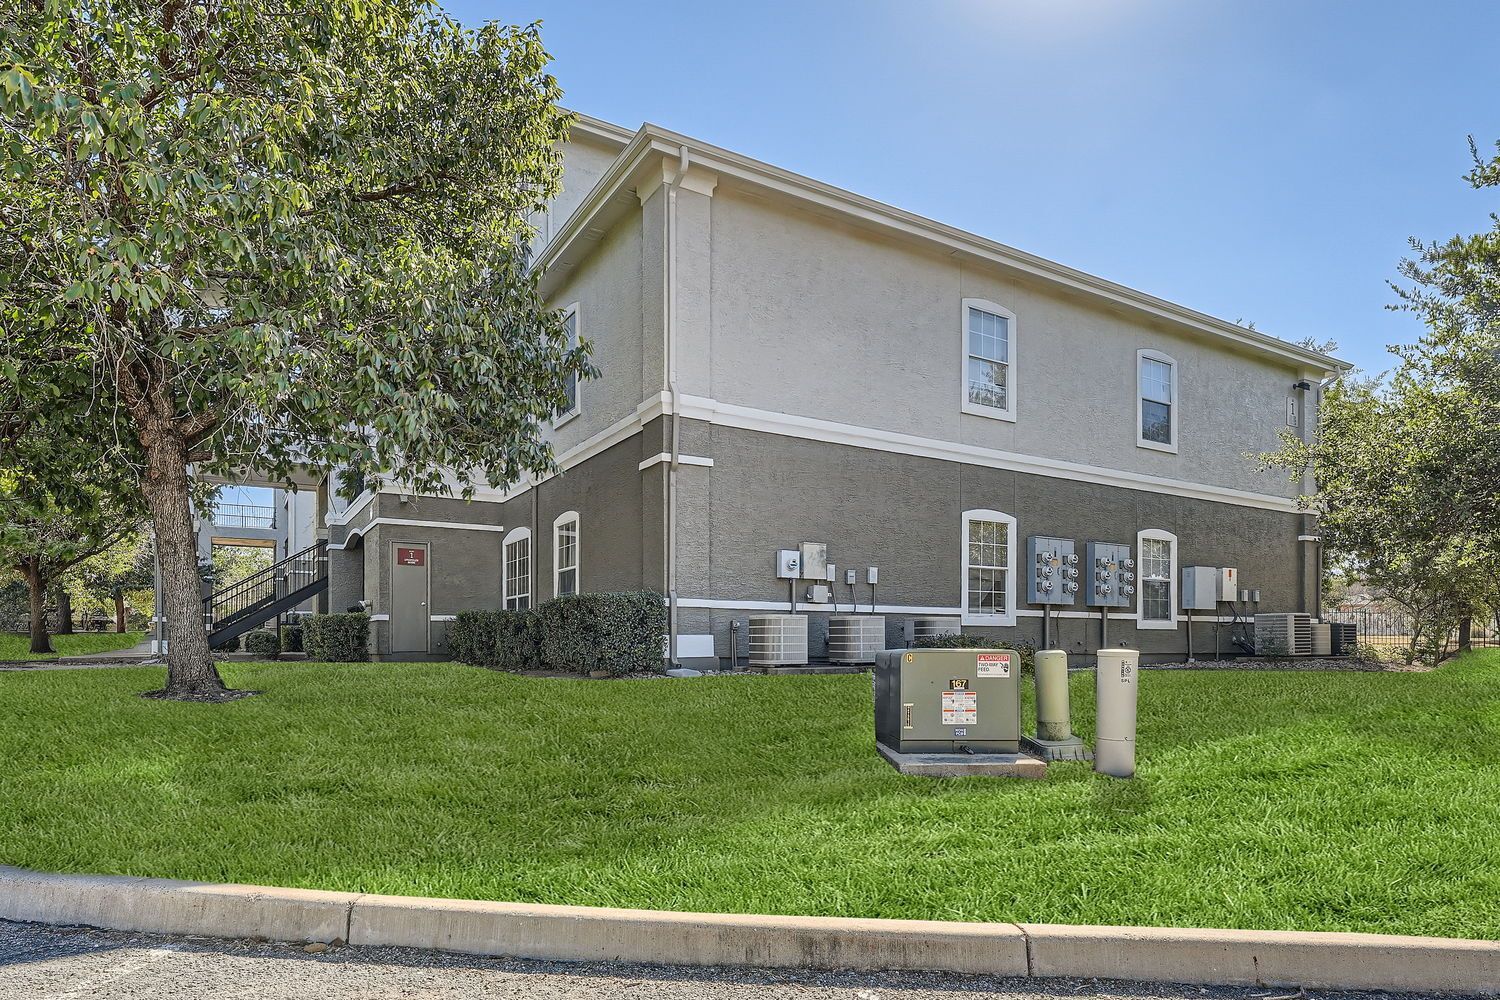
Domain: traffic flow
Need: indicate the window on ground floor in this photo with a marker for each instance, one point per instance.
(517, 583)
(1156, 593)
(565, 554)
(989, 578)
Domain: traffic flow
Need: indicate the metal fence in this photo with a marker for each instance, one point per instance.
(1388, 633)
(244, 515)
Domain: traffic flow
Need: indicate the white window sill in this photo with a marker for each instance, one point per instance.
(1003, 621)
(1149, 625)
(992, 412)
(1170, 449)
(565, 418)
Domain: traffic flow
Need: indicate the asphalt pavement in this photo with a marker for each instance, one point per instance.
(51, 963)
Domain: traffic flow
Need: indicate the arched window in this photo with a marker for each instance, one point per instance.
(988, 357)
(516, 583)
(1156, 579)
(565, 554)
(989, 568)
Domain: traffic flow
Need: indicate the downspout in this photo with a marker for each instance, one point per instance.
(670, 302)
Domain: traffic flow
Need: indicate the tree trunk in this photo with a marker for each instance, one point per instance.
(119, 611)
(1465, 634)
(191, 673)
(64, 612)
(36, 589)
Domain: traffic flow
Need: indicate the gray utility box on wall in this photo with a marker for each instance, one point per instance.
(944, 700)
(1053, 577)
(1109, 575)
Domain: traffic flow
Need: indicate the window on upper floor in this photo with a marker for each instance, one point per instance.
(570, 386)
(517, 582)
(1156, 397)
(1156, 593)
(989, 580)
(989, 360)
(565, 554)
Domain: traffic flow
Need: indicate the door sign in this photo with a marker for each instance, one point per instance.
(411, 557)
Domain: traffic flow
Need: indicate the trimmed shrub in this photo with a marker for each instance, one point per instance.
(262, 642)
(618, 633)
(291, 639)
(504, 640)
(337, 638)
(961, 640)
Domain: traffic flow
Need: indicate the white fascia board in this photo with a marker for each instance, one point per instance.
(654, 139)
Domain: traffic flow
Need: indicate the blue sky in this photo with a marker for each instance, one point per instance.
(1261, 160)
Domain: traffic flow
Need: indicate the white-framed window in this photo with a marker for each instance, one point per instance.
(988, 358)
(1156, 401)
(570, 387)
(516, 592)
(1156, 579)
(565, 554)
(989, 568)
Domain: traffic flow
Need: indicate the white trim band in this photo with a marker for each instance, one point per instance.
(663, 457)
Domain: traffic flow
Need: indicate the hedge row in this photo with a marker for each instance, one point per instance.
(337, 638)
(959, 640)
(616, 633)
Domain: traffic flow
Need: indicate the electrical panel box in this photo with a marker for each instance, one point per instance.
(849, 577)
(1200, 588)
(1053, 577)
(818, 593)
(1110, 575)
(1228, 583)
(948, 700)
(788, 564)
(872, 575)
(833, 573)
(814, 561)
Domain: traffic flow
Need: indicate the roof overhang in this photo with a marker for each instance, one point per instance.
(640, 160)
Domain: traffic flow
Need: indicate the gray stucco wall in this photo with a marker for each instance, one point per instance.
(816, 318)
(904, 515)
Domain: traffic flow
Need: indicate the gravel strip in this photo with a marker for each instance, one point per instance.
(52, 963)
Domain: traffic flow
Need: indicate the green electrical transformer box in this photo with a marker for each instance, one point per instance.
(948, 700)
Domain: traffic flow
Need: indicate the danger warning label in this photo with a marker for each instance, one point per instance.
(994, 664)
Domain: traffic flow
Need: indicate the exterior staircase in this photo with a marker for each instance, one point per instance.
(265, 595)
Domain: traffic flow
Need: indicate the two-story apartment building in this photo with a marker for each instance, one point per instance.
(783, 361)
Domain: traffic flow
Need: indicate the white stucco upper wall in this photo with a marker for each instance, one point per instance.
(821, 320)
(585, 159)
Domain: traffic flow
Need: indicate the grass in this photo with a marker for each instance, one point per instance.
(15, 647)
(1316, 801)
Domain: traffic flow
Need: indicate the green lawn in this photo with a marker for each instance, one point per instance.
(14, 647)
(1300, 800)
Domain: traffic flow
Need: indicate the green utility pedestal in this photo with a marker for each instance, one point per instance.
(1054, 738)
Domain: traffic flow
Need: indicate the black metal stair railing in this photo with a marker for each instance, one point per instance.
(263, 595)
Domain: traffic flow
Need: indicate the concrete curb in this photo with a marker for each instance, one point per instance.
(582, 933)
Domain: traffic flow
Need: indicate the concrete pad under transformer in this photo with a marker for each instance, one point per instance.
(963, 765)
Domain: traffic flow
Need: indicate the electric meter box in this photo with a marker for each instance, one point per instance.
(1109, 575)
(814, 560)
(942, 700)
(1053, 576)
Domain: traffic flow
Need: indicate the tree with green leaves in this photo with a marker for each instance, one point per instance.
(110, 579)
(1408, 467)
(44, 534)
(278, 235)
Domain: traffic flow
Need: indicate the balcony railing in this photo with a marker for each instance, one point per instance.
(244, 515)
